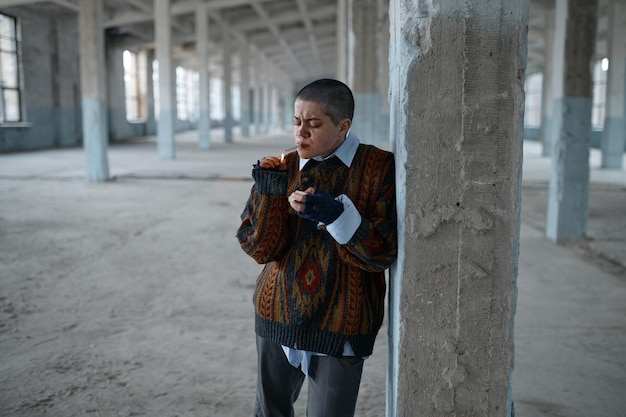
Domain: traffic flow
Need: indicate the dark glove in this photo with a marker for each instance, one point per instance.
(321, 207)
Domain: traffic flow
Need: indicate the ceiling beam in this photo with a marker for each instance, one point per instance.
(275, 30)
(310, 32)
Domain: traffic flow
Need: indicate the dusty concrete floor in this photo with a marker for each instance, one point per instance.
(133, 298)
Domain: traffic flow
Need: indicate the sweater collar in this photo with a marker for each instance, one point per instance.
(345, 152)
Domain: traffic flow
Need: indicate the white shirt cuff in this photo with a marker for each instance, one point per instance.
(344, 227)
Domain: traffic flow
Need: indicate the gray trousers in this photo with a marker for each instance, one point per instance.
(333, 384)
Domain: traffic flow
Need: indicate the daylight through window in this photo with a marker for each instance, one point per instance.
(11, 95)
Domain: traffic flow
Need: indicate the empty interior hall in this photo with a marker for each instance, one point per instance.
(507, 120)
(254, 54)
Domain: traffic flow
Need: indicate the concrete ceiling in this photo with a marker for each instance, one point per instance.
(296, 36)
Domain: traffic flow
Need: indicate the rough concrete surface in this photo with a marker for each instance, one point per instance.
(133, 298)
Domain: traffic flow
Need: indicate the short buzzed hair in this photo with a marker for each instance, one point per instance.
(334, 96)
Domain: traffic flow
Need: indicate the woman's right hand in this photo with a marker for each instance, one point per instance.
(272, 162)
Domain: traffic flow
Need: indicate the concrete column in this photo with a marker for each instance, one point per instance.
(343, 36)
(269, 106)
(364, 78)
(289, 96)
(547, 97)
(614, 134)
(273, 105)
(576, 22)
(383, 67)
(228, 85)
(287, 100)
(267, 95)
(456, 84)
(151, 122)
(282, 111)
(167, 104)
(258, 96)
(244, 84)
(202, 51)
(93, 89)
(269, 109)
(556, 78)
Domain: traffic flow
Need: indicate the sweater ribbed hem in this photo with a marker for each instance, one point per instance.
(314, 340)
(270, 182)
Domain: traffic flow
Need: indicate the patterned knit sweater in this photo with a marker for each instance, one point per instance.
(313, 293)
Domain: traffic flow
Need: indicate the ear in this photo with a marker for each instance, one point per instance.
(344, 126)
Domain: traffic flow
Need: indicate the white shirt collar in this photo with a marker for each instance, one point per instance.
(345, 152)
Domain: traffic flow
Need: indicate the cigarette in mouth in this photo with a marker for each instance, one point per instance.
(282, 155)
(293, 148)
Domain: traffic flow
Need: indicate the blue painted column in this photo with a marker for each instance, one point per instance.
(576, 23)
(202, 51)
(614, 134)
(167, 105)
(93, 90)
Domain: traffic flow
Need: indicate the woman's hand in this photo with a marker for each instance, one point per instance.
(272, 162)
(298, 198)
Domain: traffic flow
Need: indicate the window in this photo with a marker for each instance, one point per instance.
(236, 104)
(135, 86)
(155, 88)
(599, 94)
(11, 94)
(532, 112)
(187, 94)
(216, 102)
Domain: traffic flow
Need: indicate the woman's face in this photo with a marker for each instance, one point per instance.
(314, 131)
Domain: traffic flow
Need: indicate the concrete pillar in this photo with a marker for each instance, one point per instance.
(343, 38)
(273, 119)
(547, 97)
(287, 100)
(383, 67)
(202, 52)
(258, 95)
(258, 103)
(576, 22)
(151, 122)
(290, 98)
(456, 93)
(93, 89)
(167, 104)
(228, 84)
(614, 134)
(364, 70)
(244, 84)
(269, 106)
(267, 95)
(556, 74)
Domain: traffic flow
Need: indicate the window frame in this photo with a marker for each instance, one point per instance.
(598, 107)
(533, 100)
(18, 85)
(135, 86)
